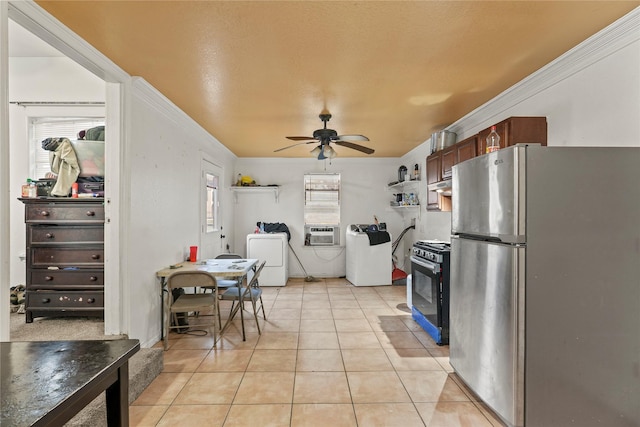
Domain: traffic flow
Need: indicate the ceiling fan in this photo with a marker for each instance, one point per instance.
(324, 136)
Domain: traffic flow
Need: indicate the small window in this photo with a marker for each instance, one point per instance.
(322, 199)
(212, 203)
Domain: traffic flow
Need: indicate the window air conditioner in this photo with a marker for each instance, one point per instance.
(321, 235)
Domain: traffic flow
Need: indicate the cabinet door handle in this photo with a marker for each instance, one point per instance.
(91, 213)
(91, 300)
(48, 278)
(93, 278)
(49, 236)
(44, 213)
(46, 300)
(95, 256)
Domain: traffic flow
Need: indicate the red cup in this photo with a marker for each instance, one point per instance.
(193, 253)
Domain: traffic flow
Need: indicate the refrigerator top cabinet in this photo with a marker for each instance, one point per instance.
(495, 188)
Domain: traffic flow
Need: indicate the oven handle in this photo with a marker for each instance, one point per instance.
(435, 268)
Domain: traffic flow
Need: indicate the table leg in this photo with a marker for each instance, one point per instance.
(117, 397)
(163, 293)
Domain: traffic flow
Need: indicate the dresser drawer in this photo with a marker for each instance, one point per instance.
(56, 300)
(61, 234)
(67, 257)
(77, 213)
(44, 279)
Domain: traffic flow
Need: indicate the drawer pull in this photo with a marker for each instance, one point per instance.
(91, 300)
(95, 256)
(91, 213)
(48, 278)
(44, 213)
(93, 278)
(49, 236)
(46, 300)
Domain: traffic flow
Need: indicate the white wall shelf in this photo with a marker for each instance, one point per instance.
(403, 184)
(256, 189)
(407, 207)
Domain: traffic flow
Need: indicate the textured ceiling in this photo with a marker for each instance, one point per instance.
(254, 72)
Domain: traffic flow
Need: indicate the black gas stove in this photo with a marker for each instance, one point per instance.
(433, 250)
(430, 268)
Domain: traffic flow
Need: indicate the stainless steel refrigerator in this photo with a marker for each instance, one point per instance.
(545, 284)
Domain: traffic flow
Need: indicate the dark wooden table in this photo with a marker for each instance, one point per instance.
(46, 383)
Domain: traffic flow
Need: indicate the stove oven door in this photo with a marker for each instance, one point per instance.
(426, 294)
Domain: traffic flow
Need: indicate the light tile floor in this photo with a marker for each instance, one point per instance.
(330, 354)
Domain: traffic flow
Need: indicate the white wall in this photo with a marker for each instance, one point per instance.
(364, 194)
(164, 151)
(52, 79)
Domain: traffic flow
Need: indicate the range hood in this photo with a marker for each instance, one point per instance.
(442, 187)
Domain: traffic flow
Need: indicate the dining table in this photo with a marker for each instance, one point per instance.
(219, 268)
(46, 383)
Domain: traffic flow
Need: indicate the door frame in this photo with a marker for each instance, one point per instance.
(212, 243)
(39, 22)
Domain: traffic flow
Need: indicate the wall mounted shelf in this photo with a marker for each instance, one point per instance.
(275, 189)
(409, 207)
(403, 184)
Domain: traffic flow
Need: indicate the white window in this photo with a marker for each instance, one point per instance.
(41, 128)
(212, 203)
(322, 199)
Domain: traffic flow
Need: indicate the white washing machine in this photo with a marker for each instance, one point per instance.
(274, 249)
(366, 264)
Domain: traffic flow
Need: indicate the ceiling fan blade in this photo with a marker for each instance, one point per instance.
(299, 138)
(289, 146)
(360, 148)
(352, 138)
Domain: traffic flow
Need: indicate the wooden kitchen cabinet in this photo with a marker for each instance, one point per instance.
(435, 200)
(434, 173)
(516, 130)
(65, 257)
(448, 158)
(466, 149)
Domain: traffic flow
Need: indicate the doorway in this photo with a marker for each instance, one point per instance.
(77, 82)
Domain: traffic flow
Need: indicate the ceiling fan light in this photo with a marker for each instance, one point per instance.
(330, 152)
(316, 151)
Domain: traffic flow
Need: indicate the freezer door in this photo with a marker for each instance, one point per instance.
(486, 341)
(488, 196)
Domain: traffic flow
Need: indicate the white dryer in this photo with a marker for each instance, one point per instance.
(274, 249)
(366, 264)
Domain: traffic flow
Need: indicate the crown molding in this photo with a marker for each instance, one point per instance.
(611, 39)
(160, 103)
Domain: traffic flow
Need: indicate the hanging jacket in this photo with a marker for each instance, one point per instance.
(64, 163)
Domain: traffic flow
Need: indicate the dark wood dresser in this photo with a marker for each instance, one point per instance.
(65, 257)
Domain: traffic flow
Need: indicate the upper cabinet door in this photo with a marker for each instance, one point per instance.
(433, 168)
(448, 159)
(466, 149)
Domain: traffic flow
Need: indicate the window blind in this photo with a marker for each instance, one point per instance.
(322, 199)
(53, 127)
